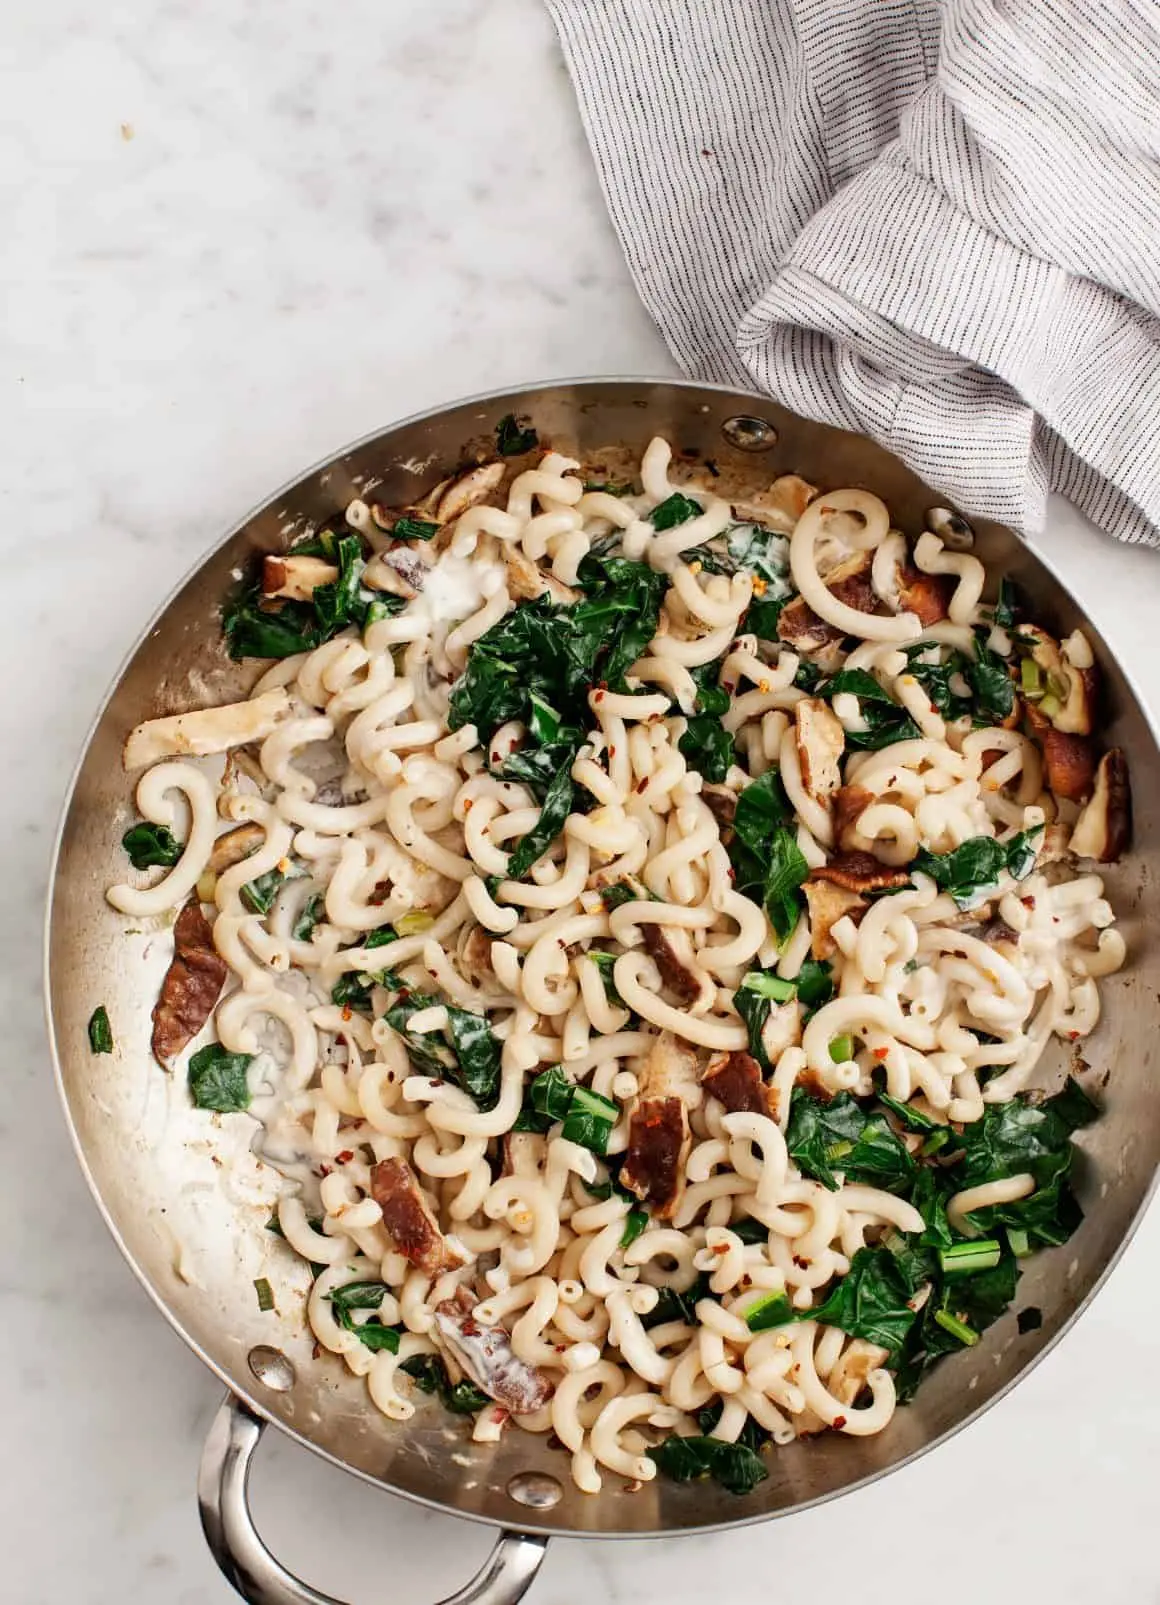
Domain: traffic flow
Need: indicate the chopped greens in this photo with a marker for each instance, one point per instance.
(635, 1223)
(148, 844)
(971, 871)
(100, 1031)
(870, 1301)
(764, 553)
(258, 895)
(840, 1136)
(991, 683)
(538, 665)
(552, 1097)
(734, 1465)
(265, 1295)
(430, 1376)
(886, 721)
(676, 509)
(557, 805)
(364, 1296)
(511, 440)
(472, 1061)
(217, 1079)
(768, 865)
(313, 911)
(259, 627)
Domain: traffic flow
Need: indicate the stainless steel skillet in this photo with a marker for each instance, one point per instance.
(193, 1228)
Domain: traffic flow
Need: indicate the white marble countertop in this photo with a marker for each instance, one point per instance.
(243, 236)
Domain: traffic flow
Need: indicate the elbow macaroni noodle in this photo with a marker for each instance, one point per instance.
(419, 826)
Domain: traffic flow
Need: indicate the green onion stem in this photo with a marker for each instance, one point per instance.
(966, 1335)
(964, 1259)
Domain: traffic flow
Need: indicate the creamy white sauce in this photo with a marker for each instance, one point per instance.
(455, 588)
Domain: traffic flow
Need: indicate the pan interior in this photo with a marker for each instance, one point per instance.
(193, 1223)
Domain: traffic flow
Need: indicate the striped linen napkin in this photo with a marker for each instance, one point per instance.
(936, 222)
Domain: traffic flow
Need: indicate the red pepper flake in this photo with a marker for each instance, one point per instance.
(345, 1157)
(801, 1264)
(469, 1329)
(612, 752)
(839, 1423)
(324, 1171)
(1028, 902)
(642, 785)
(347, 1012)
(732, 873)
(468, 805)
(1073, 1036)
(880, 1053)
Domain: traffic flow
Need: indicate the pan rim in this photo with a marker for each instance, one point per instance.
(245, 1391)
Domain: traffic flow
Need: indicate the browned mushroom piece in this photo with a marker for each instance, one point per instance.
(1104, 827)
(408, 1219)
(827, 904)
(485, 1354)
(475, 954)
(1069, 762)
(469, 490)
(671, 949)
(860, 872)
(295, 577)
(658, 1127)
(735, 1080)
(849, 582)
(927, 596)
(399, 570)
(820, 741)
(780, 505)
(658, 1145)
(526, 580)
(722, 804)
(233, 846)
(192, 985)
(850, 803)
(1071, 694)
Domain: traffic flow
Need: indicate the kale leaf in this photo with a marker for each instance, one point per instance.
(511, 440)
(148, 844)
(217, 1079)
(886, 721)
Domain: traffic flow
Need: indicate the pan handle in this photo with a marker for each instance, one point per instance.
(250, 1568)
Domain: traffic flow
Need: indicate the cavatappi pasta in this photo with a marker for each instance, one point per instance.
(795, 819)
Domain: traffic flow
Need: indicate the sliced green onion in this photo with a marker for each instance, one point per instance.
(838, 1150)
(937, 1139)
(1056, 688)
(966, 1335)
(774, 1309)
(769, 986)
(635, 1222)
(1050, 706)
(841, 1049)
(964, 1259)
(1030, 679)
(265, 1295)
(1018, 1242)
(420, 919)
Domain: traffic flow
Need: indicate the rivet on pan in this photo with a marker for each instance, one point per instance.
(952, 528)
(272, 1368)
(749, 434)
(538, 1490)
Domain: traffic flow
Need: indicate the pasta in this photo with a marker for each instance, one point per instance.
(645, 903)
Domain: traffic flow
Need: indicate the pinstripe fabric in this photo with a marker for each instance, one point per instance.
(937, 223)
